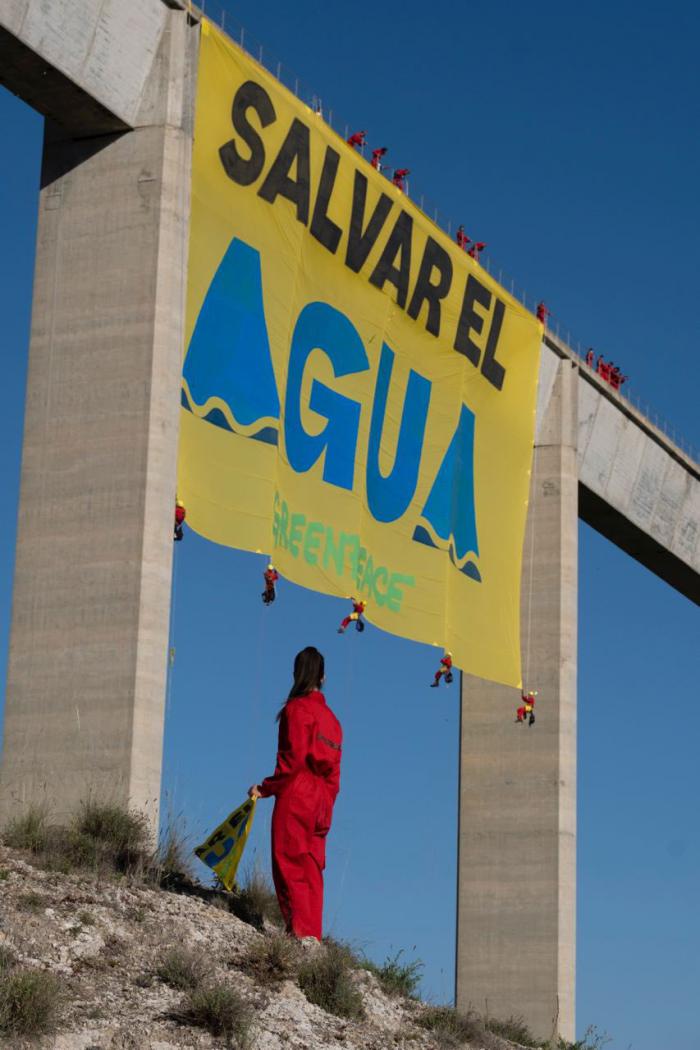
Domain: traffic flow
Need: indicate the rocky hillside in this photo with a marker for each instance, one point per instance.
(92, 958)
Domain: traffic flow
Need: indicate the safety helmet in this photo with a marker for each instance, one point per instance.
(448, 653)
(179, 503)
(271, 567)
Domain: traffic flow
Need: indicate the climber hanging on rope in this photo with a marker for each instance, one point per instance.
(357, 139)
(462, 239)
(358, 607)
(445, 669)
(377, 155)
(180, 515)
(271, 576)
(526, 713)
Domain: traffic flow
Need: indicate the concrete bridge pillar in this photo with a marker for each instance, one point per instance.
(88, 647)
(516, 941)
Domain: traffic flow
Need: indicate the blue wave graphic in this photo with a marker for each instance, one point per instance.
(229, 352)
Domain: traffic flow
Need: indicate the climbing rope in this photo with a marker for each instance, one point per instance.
(171, 633)
(531, 574)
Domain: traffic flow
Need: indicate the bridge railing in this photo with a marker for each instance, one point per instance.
(218, 12)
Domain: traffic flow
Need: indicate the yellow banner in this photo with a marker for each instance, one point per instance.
(223, 849)
(358, 394)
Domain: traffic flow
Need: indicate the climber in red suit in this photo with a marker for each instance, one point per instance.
(358, 607)
(180, 515)
(305, 785)
(357, 139)
(526, 713)
(377, 155)
(476, 249)
(462, 239)
(542, 313)
(399, 179)
(445, 669)
(271, 576)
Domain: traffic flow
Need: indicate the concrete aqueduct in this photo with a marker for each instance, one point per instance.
(115, 82)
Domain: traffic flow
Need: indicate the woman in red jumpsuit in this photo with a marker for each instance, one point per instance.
(305, 785)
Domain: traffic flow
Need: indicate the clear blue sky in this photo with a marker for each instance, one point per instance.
(567, 139)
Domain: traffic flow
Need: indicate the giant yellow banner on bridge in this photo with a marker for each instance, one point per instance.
(358, 395)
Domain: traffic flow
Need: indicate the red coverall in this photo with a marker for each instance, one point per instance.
(542, 313)
(271, 576)
(305, 785)
(377, 155)
(357, 610)
(357, 139)
(462, 239)
(180, 515)
(526, 709)
(445, 668)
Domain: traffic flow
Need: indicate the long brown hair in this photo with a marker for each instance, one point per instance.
(309, 667)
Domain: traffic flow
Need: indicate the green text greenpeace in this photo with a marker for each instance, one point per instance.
(342, 552)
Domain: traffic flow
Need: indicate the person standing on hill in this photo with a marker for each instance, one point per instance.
(305, 785)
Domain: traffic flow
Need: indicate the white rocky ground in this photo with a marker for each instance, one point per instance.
(105, 938)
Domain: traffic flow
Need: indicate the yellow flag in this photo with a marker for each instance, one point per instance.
(223, 850)
(358, 395)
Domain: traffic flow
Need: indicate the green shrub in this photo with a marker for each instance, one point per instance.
(28, 831)
(183, 967)
(272, 960)
(514, 1029)
(29, 1002)
(395, 977)
(325, 978)
(223, 1011)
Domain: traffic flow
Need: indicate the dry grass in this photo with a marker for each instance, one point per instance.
(325, 978)
(514, 1029)
(272, 960)
(109, 837)
(592, 1040)
(8, 960)
(173, 859)
(222, 1011)
(184, 968)
(396, 978)
(30, 1002)
(31, 902)
(103, 838)
(255, 900)
(451, 1028)
(29, 831)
